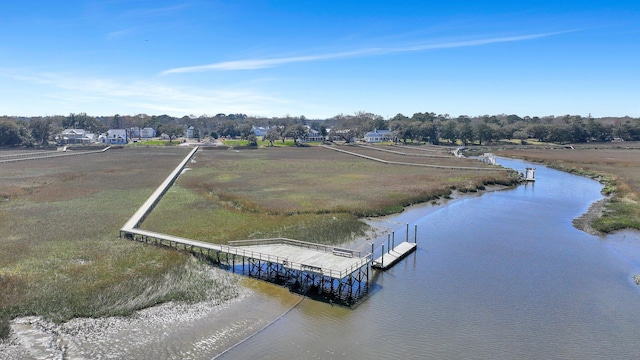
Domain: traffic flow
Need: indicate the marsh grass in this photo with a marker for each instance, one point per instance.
(219, 222)
(60, 255)
(280, 143)
(310, 194)
(79, 291)
(153, 142)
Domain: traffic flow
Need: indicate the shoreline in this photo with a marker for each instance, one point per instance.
(170, 330)
(595, 211)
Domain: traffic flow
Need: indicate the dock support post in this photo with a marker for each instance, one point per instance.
(393, 241)
(382, 257)
(415, 235)
(407, 238)
(388, 242)
(366, 285)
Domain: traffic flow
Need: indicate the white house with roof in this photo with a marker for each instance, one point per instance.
(260, 130)
(190, 132)
(134, 132)
(75, 136)
(378, 136)
(147, 133)
(313, 135)
(114, 136)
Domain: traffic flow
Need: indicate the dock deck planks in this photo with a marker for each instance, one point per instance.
(310, 257)
(392, 257)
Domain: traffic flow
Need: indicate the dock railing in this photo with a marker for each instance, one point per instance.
(339, 274)
(308, 245)
(234, 249)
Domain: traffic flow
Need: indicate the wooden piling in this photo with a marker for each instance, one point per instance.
(407, 237)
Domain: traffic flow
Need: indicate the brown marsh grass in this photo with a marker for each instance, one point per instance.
(617, 165)
(310, 194)
(60, 254)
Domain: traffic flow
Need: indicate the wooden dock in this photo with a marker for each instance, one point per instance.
(310, 269)
(392, 257)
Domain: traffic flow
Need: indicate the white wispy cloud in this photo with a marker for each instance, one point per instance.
(252, 64)
(158, 11)
(69, 92)
(118, 34)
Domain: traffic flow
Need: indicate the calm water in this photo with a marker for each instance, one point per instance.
(502, 275)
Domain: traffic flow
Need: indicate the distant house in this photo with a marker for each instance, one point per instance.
(147, 133)
(75, 136)
(313, 136)
(190, 132)
(134, 132)
(114, 136)
(378, 136)
(260, 130)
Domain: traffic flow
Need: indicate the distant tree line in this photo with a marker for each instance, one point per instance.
(425, 127)
(489, 129)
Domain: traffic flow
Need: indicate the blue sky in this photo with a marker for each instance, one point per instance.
(321, 58)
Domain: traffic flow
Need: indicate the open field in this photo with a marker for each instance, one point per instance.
(61, 257)
(617, 165)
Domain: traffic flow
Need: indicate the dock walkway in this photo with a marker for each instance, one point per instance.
(47, 155)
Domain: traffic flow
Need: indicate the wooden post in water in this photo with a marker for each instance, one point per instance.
(415, 235)
(388, 242)
(407, 238)
(393, 241)
(382, 258)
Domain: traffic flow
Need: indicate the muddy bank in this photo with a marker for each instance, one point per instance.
(596, 210)
(167, 331)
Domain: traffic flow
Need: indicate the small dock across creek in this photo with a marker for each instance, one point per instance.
(394, 255)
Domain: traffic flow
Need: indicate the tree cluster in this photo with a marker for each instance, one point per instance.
(420, 127)
(432, 128)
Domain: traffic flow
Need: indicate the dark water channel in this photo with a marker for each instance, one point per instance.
(500, 275)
